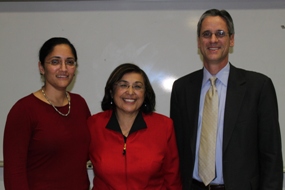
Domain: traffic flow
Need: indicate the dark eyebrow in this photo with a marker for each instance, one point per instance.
(57, 57)
(123, 81)
(215, 31)
(138, 82)
(129, 83)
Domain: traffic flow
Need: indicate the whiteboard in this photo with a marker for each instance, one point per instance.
(158, 36)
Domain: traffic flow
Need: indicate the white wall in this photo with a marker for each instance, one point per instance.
(158, 36)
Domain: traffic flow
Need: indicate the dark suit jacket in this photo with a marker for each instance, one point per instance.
(252, 157)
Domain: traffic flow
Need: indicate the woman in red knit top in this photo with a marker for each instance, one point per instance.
(46, 138)
(132, 147)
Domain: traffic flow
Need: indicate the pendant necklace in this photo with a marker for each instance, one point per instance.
(69, 104)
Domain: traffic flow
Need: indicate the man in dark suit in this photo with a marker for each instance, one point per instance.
(248, 144)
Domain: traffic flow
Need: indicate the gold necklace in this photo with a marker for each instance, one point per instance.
(69, 104)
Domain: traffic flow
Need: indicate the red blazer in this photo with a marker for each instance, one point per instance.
(150, 160)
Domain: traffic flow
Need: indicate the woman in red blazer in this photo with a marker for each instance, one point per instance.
(131, 146)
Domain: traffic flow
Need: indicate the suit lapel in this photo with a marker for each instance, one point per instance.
(235, 95)
(192, 101)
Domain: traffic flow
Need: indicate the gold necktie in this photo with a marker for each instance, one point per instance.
(207, 151)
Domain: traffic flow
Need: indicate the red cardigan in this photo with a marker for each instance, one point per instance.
(150, 160)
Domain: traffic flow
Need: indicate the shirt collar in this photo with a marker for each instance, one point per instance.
(138, 124)
(222, 75)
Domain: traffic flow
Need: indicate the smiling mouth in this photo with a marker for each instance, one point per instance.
(213, 48)
(62, 76)
(129, 100)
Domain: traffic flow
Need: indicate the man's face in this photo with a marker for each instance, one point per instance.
(214, 41)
